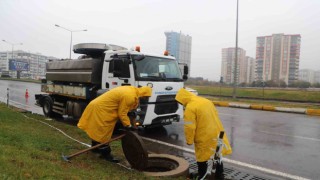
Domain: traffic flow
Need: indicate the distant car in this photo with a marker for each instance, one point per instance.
(192, 90)
(5, 76)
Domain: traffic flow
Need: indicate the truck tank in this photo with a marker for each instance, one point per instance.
(87, 69)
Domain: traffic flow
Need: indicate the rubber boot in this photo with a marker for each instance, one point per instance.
(106, 154)
(94, 143)
(219, 171)
(202, 169)
(104, 151)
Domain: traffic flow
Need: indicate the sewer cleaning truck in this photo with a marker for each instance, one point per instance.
(71, 84)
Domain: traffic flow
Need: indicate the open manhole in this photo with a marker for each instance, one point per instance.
(157, 165)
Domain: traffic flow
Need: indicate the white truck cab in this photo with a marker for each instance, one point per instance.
(161, 73)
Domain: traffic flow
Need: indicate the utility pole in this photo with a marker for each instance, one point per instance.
(12, 44)
(234, 93)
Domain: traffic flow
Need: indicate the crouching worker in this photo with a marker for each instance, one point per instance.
(202, 127)
(100, 116)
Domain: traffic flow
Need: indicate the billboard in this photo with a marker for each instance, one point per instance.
(18, 65)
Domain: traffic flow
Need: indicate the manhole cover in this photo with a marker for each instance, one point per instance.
(134, 150)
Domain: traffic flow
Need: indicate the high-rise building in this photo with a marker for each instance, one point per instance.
(29, 65)
(316, 76)
(228, 63)
(306, 75)
(251, 66)
(179, 46)
(278, 58)
(309, 75)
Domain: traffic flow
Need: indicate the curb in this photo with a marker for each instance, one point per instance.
(312, 112)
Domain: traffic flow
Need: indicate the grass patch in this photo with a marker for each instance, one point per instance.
(31, 149)
(268, 94)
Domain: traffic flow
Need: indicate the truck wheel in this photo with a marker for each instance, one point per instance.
(47, 107)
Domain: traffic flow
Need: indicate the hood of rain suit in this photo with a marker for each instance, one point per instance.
(145, 91)
(184, 96)
(201, 125)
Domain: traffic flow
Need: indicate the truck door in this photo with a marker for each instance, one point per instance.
(118, 72)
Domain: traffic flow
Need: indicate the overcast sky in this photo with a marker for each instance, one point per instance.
(212, 25)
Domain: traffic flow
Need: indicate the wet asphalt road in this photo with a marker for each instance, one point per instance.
(284, 142)
(17, 91)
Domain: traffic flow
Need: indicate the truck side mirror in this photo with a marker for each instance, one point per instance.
(185, 70)
(185, 77)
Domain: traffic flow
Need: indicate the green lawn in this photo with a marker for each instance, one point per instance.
(30, 149)
(281, 94)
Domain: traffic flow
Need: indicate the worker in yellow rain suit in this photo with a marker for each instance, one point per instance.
(100, 116)
(201, 127)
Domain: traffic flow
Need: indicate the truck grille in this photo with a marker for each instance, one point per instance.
(165, 104)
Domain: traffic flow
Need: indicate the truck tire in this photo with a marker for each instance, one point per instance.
(47, 107)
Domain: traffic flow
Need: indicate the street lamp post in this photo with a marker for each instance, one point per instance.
(12, 44)
(71, 31)
(234, 96)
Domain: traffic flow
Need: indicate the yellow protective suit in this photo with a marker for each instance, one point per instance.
(201, 125)
(101, 114)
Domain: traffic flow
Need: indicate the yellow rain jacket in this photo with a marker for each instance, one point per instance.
(201, 125)
(101, 114)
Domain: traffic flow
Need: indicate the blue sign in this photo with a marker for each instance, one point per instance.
(16, 65)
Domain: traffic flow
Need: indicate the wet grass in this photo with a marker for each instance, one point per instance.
(30, 149)
(278, 94)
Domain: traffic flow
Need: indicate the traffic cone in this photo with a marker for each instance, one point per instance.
(26, 94)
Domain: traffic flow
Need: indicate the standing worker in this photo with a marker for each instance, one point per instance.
(202, 127)
(100, 116)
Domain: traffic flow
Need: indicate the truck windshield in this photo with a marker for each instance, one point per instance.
(157, 69)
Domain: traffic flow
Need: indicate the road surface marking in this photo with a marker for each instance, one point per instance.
(266, 170)
(300, 137)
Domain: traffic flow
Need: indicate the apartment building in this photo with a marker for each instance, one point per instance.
(228, 65)
(277, 57)
(179, 46)
(23, 64)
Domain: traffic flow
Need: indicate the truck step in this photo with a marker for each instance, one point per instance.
(58, 103)
(58, 111)
(58, 108)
